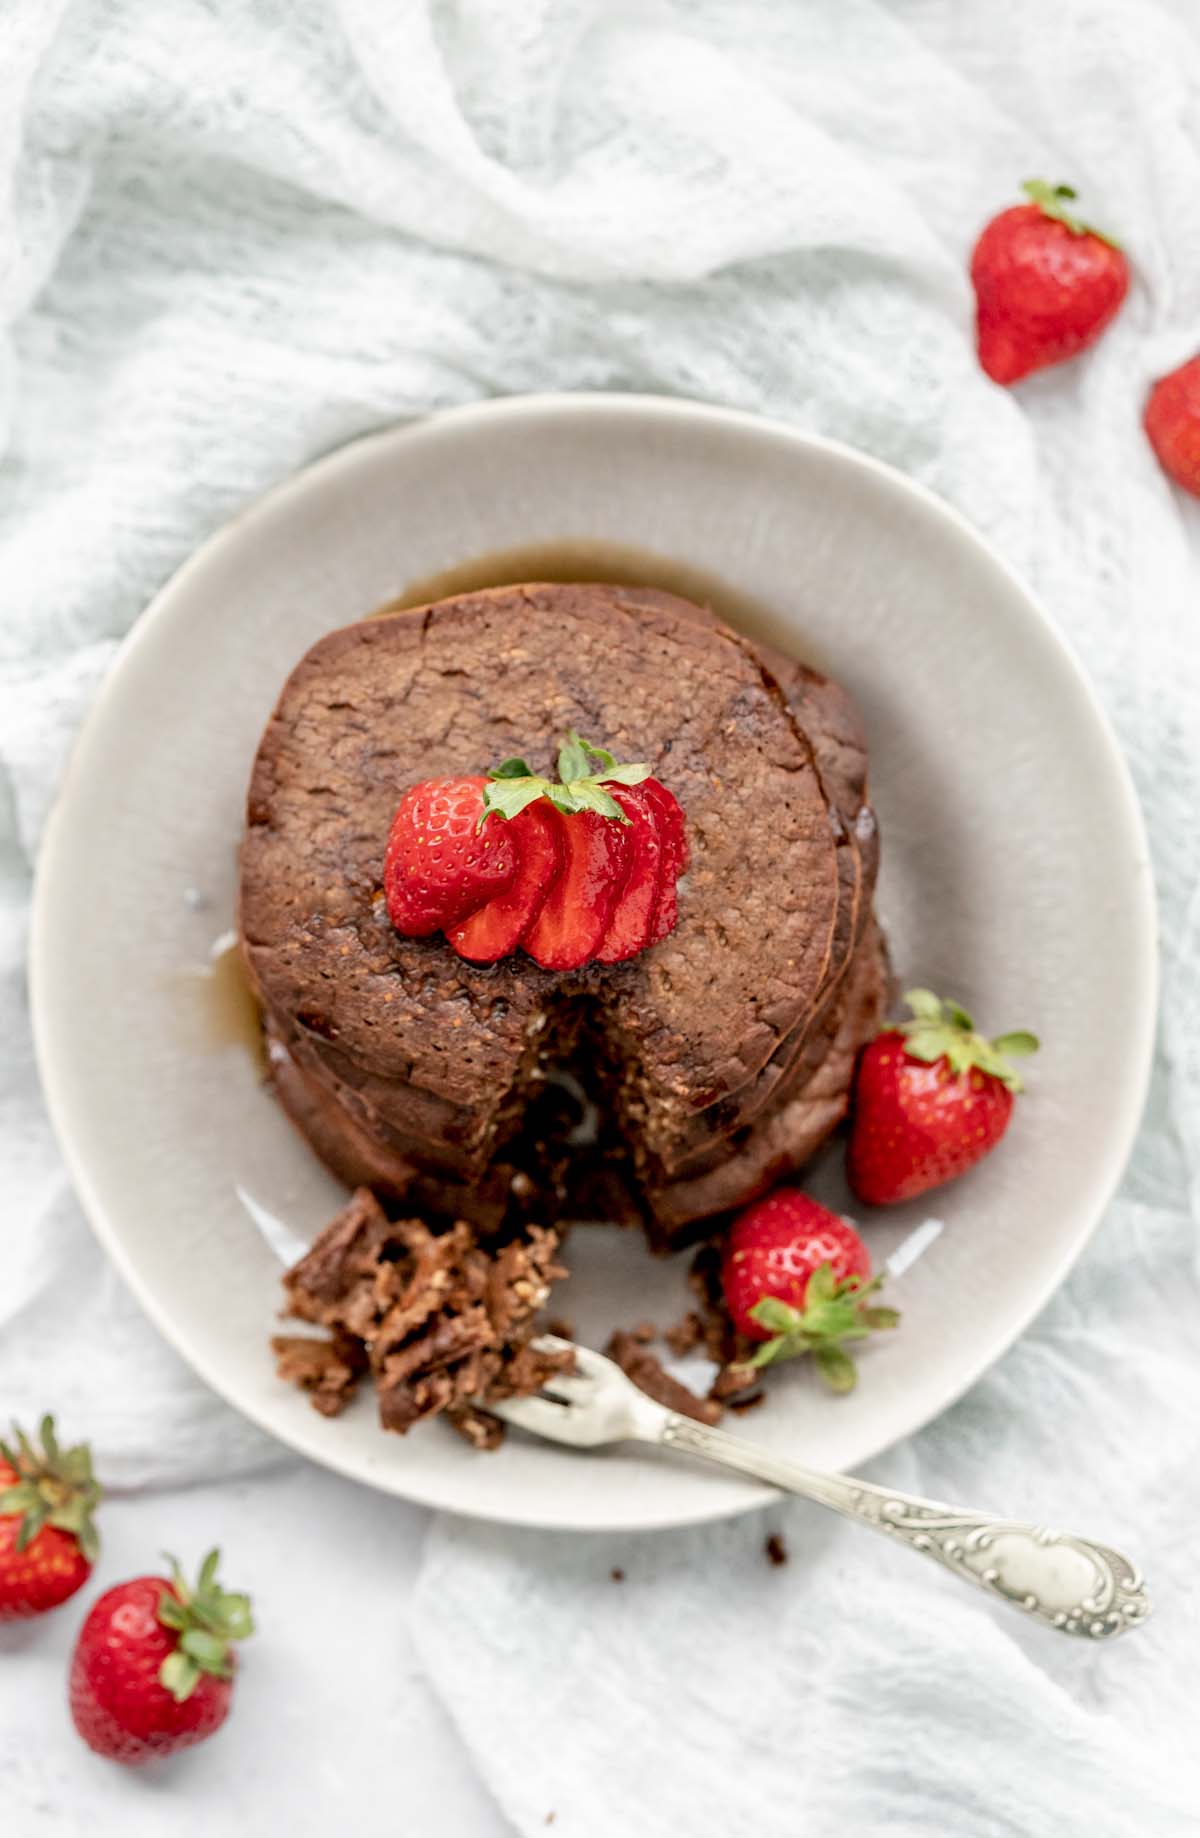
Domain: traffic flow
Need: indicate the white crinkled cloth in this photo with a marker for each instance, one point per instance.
(238, 232)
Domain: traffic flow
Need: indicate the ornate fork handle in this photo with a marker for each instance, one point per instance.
(1067, 1582)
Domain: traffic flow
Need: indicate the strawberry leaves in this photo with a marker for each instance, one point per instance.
(835, 1310)
(944, 1030)
(54, 1486)
(1052, 201)
(574, 756)
(583, 771)
(206, 1620)
(507, 793)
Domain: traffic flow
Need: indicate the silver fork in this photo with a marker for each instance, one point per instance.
(1062, 1580)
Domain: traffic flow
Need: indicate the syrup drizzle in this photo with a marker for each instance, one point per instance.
(574, 560)
(217, 1005)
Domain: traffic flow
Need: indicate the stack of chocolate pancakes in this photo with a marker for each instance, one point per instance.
(713, 1063)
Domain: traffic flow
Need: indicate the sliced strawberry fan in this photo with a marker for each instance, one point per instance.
(573, 870)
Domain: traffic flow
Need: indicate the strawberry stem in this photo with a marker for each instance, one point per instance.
(54, 1486)
(1051, 200)
(513, 783)
(207, 1619)
(944, 1030)
(835, 1311)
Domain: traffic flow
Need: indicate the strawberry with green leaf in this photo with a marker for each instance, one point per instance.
(797, 1279)
(1046, 284)
(48, 1542)
(574, 869)
(154, 1664)
(931, 1098)
(594, 836)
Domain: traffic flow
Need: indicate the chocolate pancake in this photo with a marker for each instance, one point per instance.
(411, 1069)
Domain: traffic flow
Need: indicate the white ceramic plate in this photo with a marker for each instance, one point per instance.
(1015, 876)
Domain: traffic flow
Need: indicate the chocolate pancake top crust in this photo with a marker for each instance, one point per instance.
(433, 1052)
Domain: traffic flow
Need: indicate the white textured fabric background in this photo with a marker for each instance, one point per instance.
(234, 233)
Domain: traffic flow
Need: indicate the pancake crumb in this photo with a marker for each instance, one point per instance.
(441, 1324)
(650, 1376)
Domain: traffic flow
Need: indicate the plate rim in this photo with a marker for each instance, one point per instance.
(593, 405)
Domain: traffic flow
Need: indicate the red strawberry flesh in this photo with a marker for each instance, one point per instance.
(498, 928)
(440, 867)
(628, 930)
(673, 837)
(574, 918)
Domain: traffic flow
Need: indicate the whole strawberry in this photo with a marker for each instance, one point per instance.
(931, 1098)
(1046, 285)
(48, 1543)
(797, 1278)
(1172, 420)
(154, 1663)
